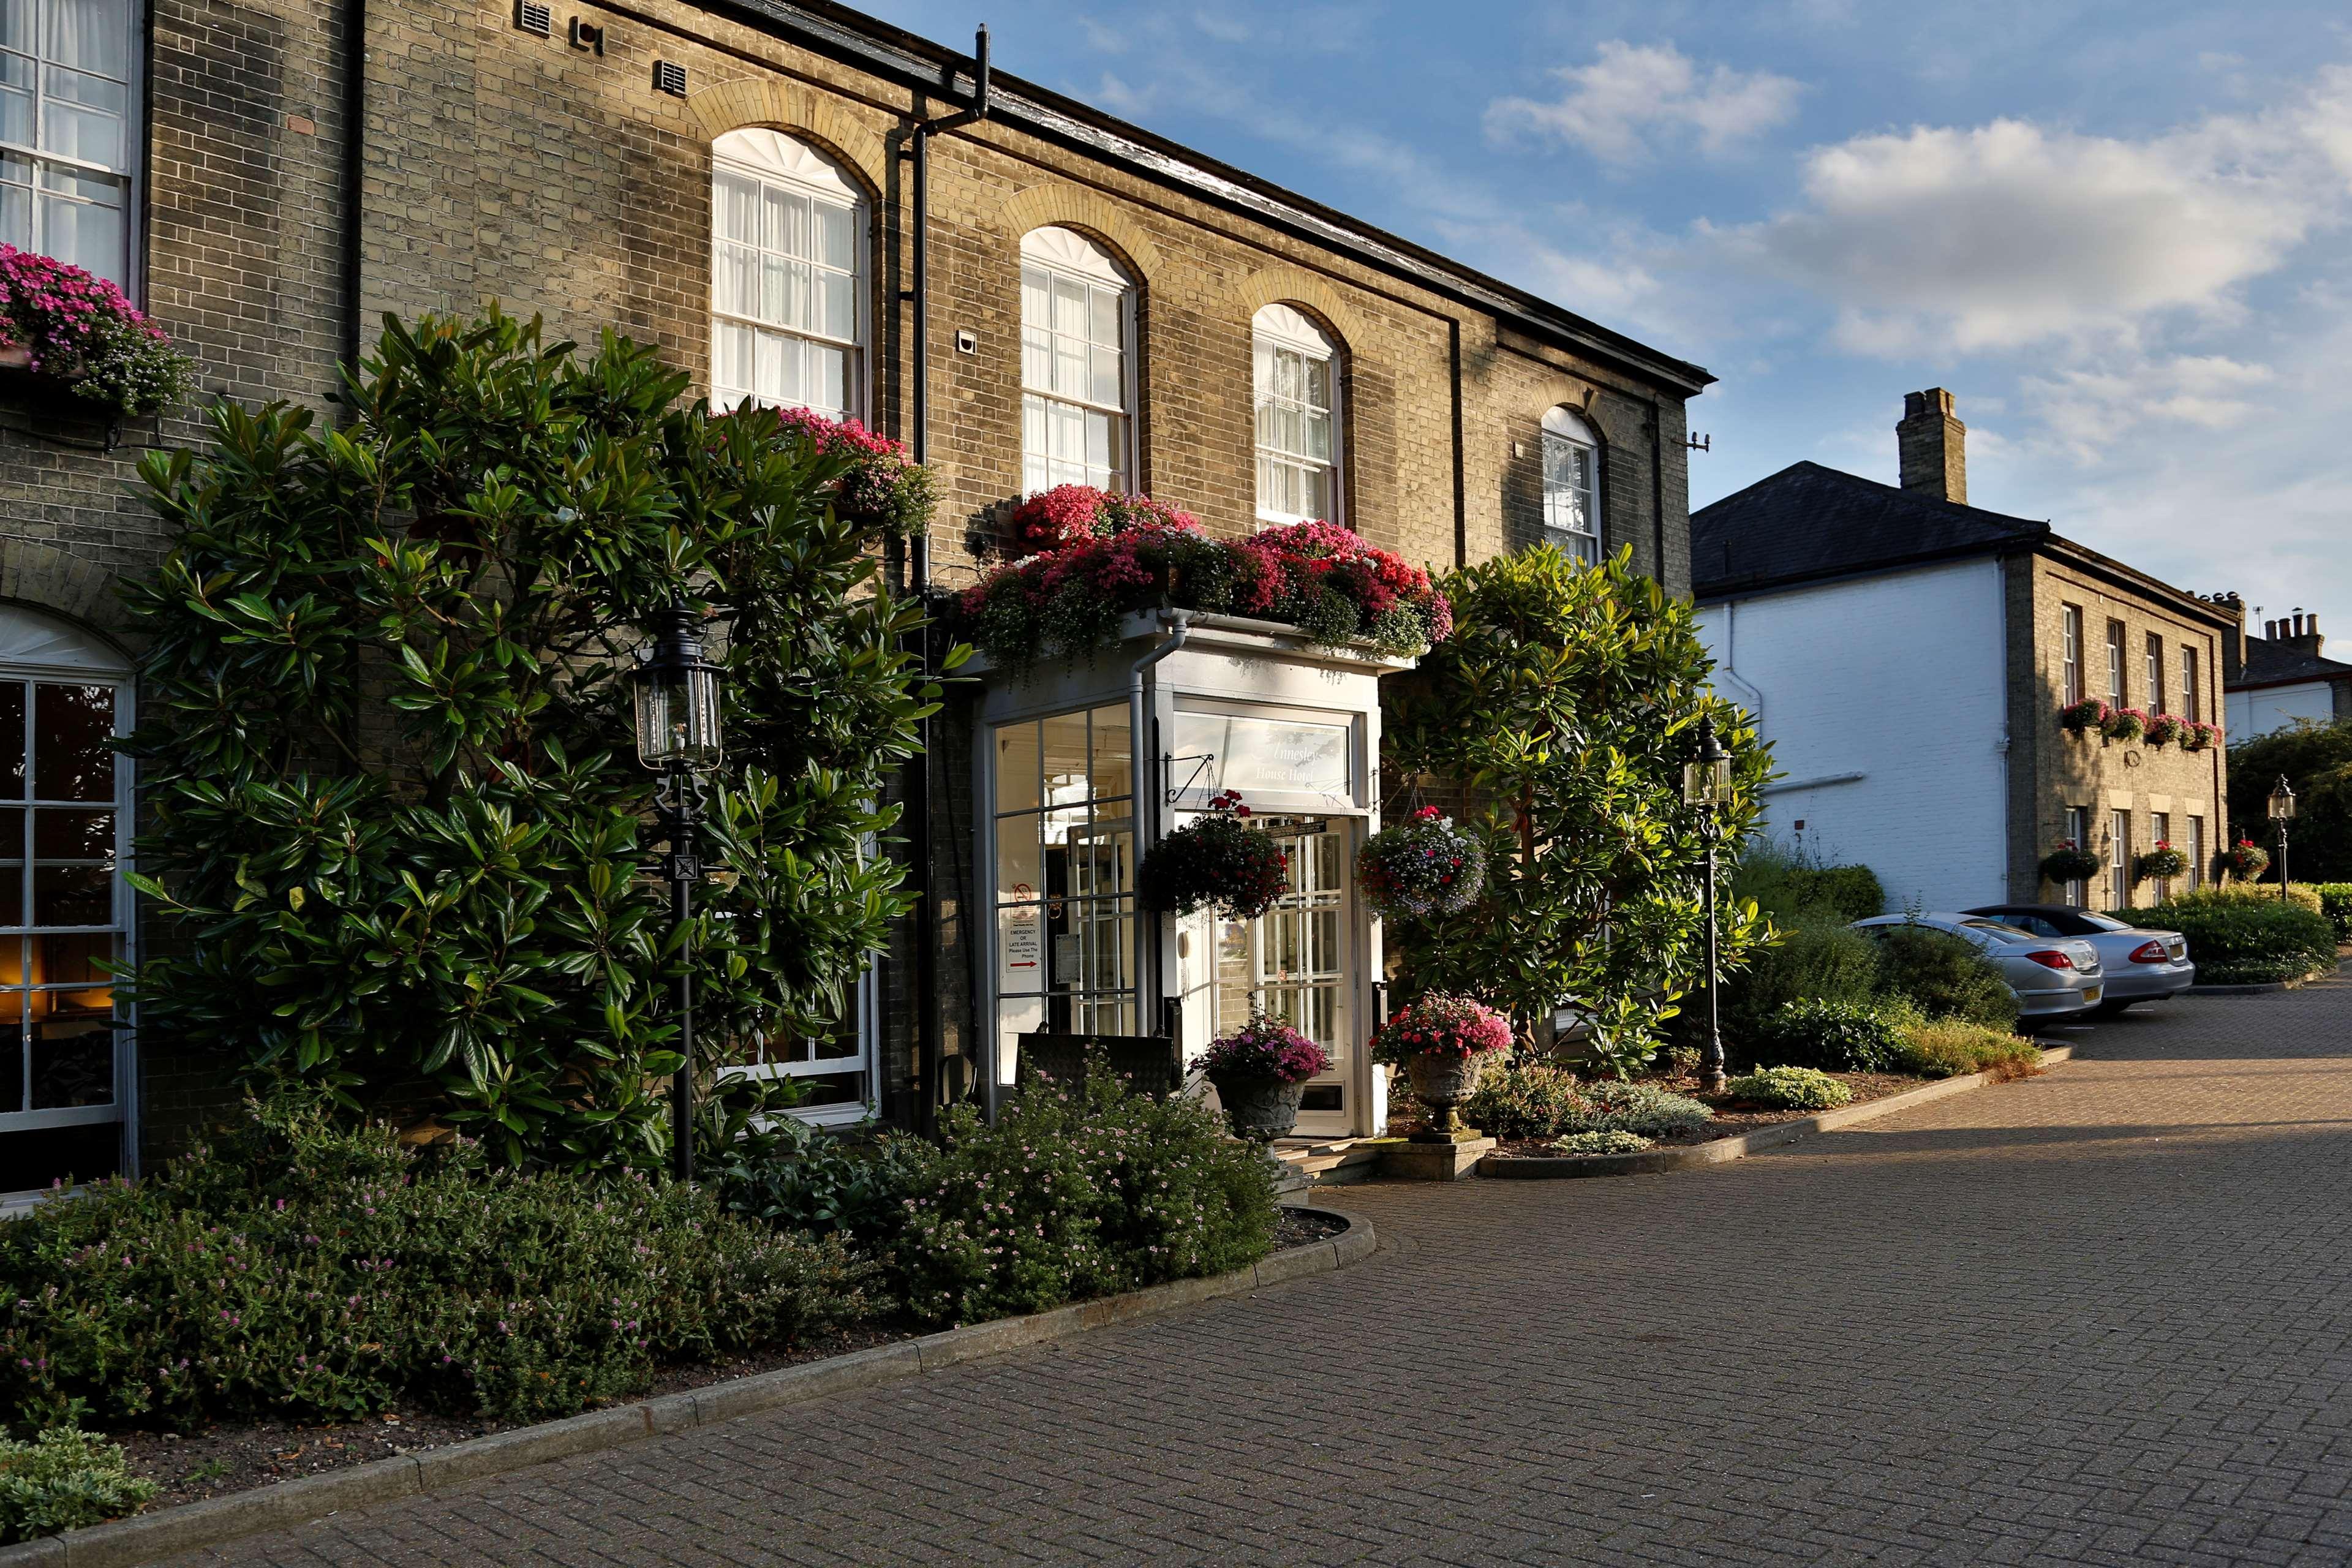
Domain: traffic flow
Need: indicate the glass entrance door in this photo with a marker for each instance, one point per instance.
(1295, 963)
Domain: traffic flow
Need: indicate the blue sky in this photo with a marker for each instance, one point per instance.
(2117, 232)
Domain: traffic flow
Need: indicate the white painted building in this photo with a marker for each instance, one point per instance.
(2282, 678)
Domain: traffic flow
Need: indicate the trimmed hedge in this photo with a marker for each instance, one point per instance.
(2336, 903)
(2246, 941)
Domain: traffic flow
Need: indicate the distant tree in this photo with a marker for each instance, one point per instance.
(2317, 762)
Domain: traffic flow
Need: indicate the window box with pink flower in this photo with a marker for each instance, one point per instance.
(75, 330)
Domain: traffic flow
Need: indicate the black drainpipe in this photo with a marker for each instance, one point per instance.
(929, 1019)
(1658, 488)
(1461, 500)
(355, 35)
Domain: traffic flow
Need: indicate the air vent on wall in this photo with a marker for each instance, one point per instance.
(669, 77)
(587, 36)
(534, 18)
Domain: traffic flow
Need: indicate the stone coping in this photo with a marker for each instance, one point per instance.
(142, 1537)
(1690, 1157)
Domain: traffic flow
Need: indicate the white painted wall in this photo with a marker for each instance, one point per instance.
(1898, 679)
(2247, 714)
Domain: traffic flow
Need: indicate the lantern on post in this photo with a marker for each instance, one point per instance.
(2281, 813)
(1707, 787)
(678, 738)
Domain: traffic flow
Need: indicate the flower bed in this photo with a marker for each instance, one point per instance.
(1087, 559)
(59, 321)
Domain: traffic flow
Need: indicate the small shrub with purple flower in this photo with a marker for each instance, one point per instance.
(1264, 1048)
(1216, 861)
(1441, 1025)
(1425, 866)
(78, 327)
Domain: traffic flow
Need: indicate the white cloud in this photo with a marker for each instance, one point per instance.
(2084, 411)
(1635, 97)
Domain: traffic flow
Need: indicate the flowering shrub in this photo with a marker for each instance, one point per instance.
(64, 1479)
(2070, 862)
(1073, 1193)
(2162, 730)
(1442, 1027)
(81, 329)
(2245, 860)
(1215, 861)
(881, 488)
(2123, 724)
(1425, 866)
(304, 1272)
(2161, 863)
(2196, 735)
(2083, 717)
(1086, 559)
(1262, 1048)
(1788, 1089)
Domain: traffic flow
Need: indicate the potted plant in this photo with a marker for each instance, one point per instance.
(2196, 735)
(1217, 861)
(2160, 864)
(1260, 1071)
(2070, 862)
(2082, 718)
(2245, 860)
(2123, 724)
(2163, 730)
(1442, 1042)
(59, 321)
(1425, 866)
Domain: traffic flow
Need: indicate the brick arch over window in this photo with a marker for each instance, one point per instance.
(796, 110)
(44, 578)
(1303, 291)
(1056, 206)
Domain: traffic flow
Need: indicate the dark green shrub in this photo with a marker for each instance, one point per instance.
(1946, 1048)
(2247, 940)
(1943, 975)
(1524, 1096)
(1816, 957)
(1787, 884)
(804, 1178)
(1853, 892)
(1841, 1036)
(64, 1479)
(2316, 760)
(1789, 1089)
(2336, 903)
(1073, 1194)
(303, 1272)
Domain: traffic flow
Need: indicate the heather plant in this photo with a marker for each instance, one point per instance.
(1946, 1048)
(1788, 1089)
(305, 1270)
(1524, 1096)
(391, 810)
(1076, 1191)
(1608, 1142)
(64, 1479)
(79, 328)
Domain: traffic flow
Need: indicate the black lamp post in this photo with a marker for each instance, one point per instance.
(2281, 813)
(678, 737)
(1706, 784)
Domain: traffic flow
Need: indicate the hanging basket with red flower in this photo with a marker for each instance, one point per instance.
(1425, 866)
(2162, 730)
(2245, 860)
(1217, 861)
(2160, 864)
(2070, 862)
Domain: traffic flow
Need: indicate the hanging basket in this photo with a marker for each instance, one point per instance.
(1425, 866)
(2245, 860)
(2160, 864)
(2083, 718)
(2071, 863)
(2163, 730)
(1217, 861)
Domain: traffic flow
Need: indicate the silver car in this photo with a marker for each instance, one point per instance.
(2142, 965)
(2052, 978)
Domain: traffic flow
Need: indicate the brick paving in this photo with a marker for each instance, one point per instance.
(2100, 1317)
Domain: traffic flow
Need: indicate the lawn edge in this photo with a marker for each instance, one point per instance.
(142, 1537)
(1693, 1156)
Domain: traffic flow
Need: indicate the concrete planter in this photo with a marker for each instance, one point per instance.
(1260, 1108)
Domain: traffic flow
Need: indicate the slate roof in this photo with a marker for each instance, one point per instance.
(2279, 662)
(1809, 521)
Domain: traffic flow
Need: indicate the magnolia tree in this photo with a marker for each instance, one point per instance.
(385, 734)
(1564, 707)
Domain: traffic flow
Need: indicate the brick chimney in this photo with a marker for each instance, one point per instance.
(1934, 446)
(2233, 641)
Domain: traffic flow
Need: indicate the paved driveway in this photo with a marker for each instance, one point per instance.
(2100, 1317)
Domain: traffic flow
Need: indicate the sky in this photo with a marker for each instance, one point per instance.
(2117, 232)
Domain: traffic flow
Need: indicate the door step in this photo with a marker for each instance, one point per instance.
(1329, 1162)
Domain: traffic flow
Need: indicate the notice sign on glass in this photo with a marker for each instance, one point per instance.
(1258, 755)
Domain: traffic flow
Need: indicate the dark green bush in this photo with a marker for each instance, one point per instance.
(804, 1178)
(64, 1479)
(1789, 1089)
(2336, 903)
(2247, 942)
(1787, 884)
(1076, 1194)
(1524, 1096)
(1817, 957)
(1943, 975)
(307, 1272)
(1841, 1036)
(1853, 892)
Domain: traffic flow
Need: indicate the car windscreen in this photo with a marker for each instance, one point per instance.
(2001, 930)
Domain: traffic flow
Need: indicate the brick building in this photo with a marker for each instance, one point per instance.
(737, 184)
(1907, 654)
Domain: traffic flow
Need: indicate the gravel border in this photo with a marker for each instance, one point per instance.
(142, 1537)
(1692, 1156)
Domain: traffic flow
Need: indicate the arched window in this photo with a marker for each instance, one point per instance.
(1571, 484)
(787, 260)
(66, 1076)
(1077, 358)
(1297, 398)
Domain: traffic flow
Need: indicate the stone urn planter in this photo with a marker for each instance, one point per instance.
(1442, 1082)
(1441, 1041)
(1261, 1110)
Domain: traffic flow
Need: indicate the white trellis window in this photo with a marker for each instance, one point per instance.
(1076, 364)
(1297, 398)
(787, 307)
(1571, 484)
(68, 110)
(66, 1076)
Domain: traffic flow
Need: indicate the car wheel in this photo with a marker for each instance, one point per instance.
(2117, 1009)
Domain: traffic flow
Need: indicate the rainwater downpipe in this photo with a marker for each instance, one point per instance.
(1150, 793)
(916, 788)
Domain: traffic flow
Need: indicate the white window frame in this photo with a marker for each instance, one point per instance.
(2195, 850)
(2160, 831)
(779, 160)
(1065, 255)
(1566, 427)
(2070, 674)
(2077, 890)
(124, 271)
(2118, 662)
(1285, 330)
(2192, 696)
(2157, 696)
(2119, 884)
